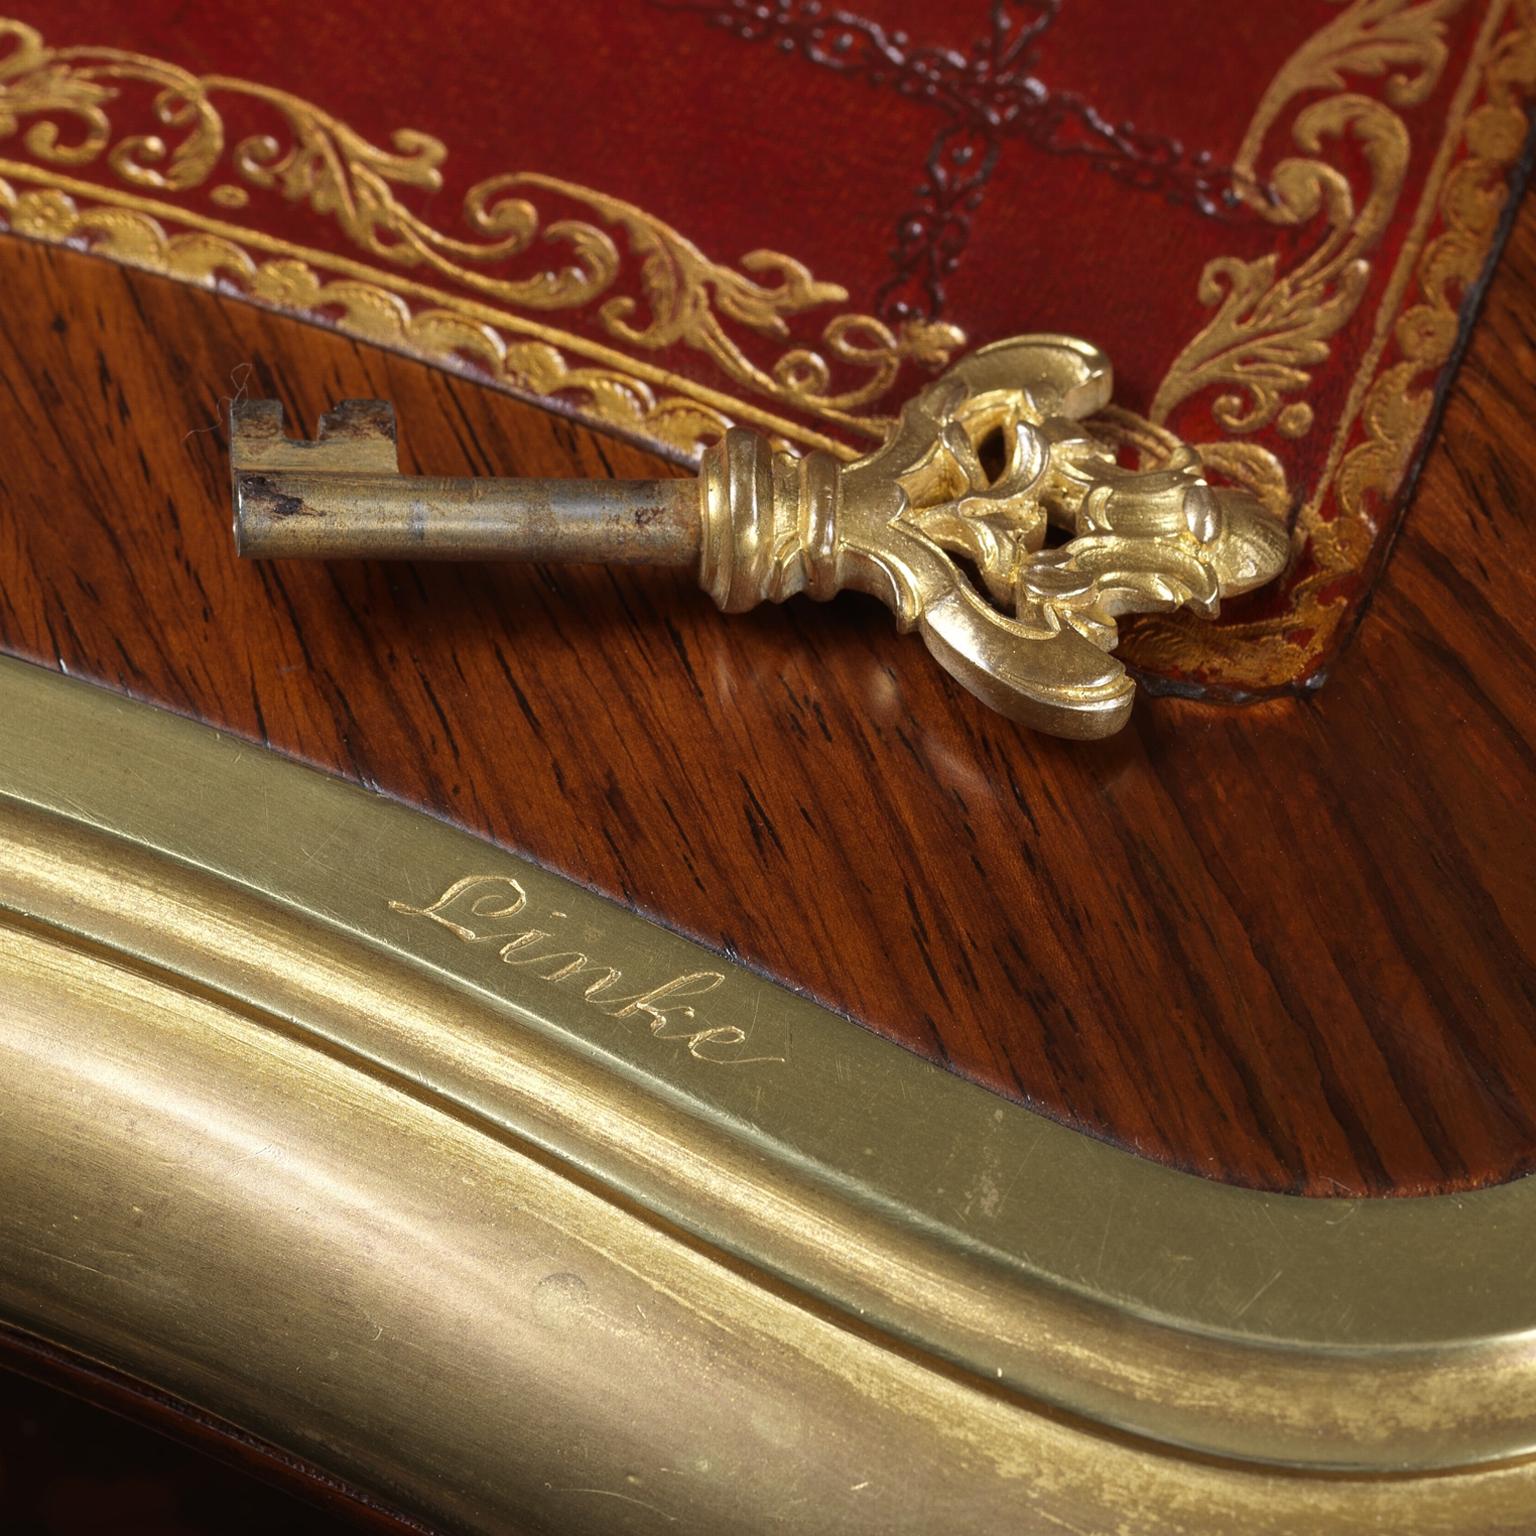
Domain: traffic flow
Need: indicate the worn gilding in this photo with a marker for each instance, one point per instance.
(517, 1210)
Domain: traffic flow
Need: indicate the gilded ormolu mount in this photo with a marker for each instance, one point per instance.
(979, 470)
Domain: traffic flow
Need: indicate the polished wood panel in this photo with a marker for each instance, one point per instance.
(1288, 944)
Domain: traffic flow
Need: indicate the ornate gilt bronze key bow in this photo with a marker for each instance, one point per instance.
(982, 464)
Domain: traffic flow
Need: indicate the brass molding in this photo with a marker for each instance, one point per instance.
(515, 1210)
(1029, 636)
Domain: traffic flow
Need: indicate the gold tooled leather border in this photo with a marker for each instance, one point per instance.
(1255, 359)
(482, 297)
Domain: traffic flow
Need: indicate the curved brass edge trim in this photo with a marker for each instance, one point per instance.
(470, 1334)
(313, 918)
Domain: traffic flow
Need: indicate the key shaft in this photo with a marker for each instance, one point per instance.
(362, 515)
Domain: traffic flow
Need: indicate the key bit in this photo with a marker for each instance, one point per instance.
(948, 523)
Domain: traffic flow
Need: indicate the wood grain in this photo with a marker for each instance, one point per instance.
(1288, 945)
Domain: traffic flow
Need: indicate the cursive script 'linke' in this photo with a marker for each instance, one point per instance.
(487, 909)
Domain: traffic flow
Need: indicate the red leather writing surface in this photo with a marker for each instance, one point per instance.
(664, 214)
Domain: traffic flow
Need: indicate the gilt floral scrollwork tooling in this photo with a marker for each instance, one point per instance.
(993, 522)
(530, 241)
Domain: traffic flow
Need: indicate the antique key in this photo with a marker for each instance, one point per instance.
(980, 467)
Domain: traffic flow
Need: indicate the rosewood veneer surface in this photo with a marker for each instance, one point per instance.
(1288, 945)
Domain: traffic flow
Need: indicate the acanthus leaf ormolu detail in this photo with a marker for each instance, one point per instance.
(1135, 540)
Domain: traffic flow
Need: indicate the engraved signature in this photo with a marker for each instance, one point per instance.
(488, 909)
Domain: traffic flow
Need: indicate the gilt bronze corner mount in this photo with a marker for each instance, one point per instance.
(979, 470)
